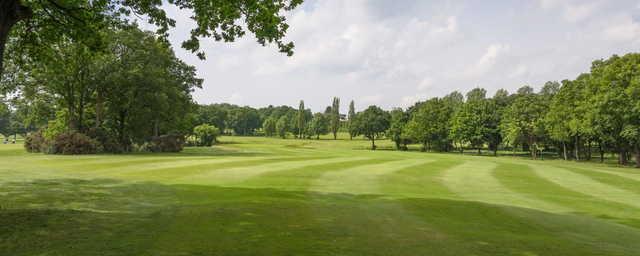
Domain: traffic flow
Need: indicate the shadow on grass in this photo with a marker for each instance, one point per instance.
(109, 217)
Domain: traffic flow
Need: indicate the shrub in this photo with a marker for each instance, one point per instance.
(166, 143)
(73, 143)
(34, 142)
(207, 134)
(107, 141)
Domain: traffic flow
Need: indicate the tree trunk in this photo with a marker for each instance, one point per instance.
(601, 152)
(637, 156)
(622, 156)
(373, 144)
(564, 150)
(335, 135)
(577, 149)
(99, 106)
(11, 11)
(588, 150)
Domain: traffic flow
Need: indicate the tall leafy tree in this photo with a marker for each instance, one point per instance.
(372, 124)
(351, 116)
(523, 121)
(334, 122)
(319, 125)
(282, 126)
(269, 126)
(430, 124)
(38, 23)
(301, 122)
(396, 132)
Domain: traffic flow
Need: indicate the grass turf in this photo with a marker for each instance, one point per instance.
(262, 196)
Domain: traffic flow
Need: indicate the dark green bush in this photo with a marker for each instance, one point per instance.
(72, 143)
(34, 142)
(166, 143)
(107, 141)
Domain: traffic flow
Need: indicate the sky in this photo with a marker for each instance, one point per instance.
(395, 53)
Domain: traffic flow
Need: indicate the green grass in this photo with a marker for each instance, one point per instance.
(266, 196)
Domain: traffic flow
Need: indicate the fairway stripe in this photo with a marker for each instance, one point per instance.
(585, 185)
(362, 179)
(229, 176)
(475, 181)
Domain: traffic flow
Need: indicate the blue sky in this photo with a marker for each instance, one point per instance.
(393, 53)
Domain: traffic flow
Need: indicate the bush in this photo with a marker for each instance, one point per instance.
(34, 142)
(207, 134)
(166, 143)
(107, 141)
(72, 143)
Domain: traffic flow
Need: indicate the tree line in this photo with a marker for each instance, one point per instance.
(596, 113)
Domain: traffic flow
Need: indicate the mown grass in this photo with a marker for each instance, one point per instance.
(263, 196)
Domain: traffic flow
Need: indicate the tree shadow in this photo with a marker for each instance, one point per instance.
(111, 217)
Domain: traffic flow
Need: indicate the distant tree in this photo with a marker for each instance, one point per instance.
(282, 126)
(523, 121)
(334, 121)
(213, 114)
(372, 124)
(319, 125)
(269, 126)
(396, 132)
(351, 116)
(476, 94)
(206, 134)
(430, 124)
(301, 122)
(244, 120)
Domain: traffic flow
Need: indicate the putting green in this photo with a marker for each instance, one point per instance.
(267, 196)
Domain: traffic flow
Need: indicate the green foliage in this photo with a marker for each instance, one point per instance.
(319, 125)
(36, 24)
(282, 126)
(372, 123)
(397, 127)
(72, 143)
(334, 117)
(269, 126)
(430, 123)
(207, 134)
(351, 116)
(523, 121)
(34, 142)
(165, 143)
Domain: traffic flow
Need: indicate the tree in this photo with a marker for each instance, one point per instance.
(214, 114)
(319, 125)
(40, 23)
(206, 134)
(244, 120)
(396, 132)
(269, 126)
(334, 119)
(372, 124)
(523, 121)
(351, 116)
(282, 126)
(301, 120)
(430, 124)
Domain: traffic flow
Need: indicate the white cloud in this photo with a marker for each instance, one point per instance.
(235, 98)
(371, 99)
(425, 83)
(623, 29)
(379, 52)
(579, 12)
(488, 59)
(408, 101)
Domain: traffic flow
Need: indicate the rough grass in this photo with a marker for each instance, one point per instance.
(262, 196)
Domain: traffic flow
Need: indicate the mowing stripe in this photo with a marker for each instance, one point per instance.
(588, 186)
(236, 175)
(362, 179)
(423, 181)
(302, 178)
(618, 181)
(474, 180)
(526, 180)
